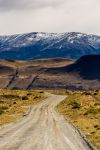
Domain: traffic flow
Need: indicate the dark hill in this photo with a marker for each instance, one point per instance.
(88, 67)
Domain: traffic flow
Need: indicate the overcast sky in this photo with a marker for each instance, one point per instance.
(22, 16)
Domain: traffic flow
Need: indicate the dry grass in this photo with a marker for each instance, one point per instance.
(14, 104)
(83, 110)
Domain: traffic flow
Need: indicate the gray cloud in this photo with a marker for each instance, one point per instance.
(6, 5)
(20, 16)
(11, 4)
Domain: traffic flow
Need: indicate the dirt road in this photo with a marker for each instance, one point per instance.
(42, 129)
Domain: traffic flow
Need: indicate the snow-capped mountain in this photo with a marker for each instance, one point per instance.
(48, 45)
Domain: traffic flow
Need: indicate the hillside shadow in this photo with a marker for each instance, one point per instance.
(88, 67)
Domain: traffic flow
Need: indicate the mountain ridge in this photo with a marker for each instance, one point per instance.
(39, 45)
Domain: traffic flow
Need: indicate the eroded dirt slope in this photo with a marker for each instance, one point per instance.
(51, 74)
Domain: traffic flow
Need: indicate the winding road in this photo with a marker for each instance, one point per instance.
(42, 129)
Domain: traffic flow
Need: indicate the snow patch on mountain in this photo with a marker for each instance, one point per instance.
(40, 45)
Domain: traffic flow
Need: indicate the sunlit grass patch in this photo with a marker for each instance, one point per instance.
(83, 110)
(15, 103)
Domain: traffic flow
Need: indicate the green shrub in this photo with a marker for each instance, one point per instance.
(97, 104)
(41, 91)
(95, 93)
(75, 104)
(1, 102)
(36, 97)
(2, 109)
(28, 94)
(24, 98)
(10, 96)
(96, 126)
(86, 93)
(92, 110)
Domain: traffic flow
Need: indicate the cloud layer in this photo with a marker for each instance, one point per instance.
(19, 16)
(28, 4)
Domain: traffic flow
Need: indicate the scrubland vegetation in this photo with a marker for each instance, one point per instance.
(15, 104)
(82, 109)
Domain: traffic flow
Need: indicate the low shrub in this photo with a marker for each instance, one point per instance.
(2, 109)
(92, 110)
(9, 96)
(24, 98)
(75, 104)
(28, 94)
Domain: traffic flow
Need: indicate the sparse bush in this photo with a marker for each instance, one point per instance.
(41, 91)
(86, 113)
(86, 93)
(96, 126)
(24, 98)
(97, 104)
(36, 97)
(75, 104)
(2, 109)
(28, 94)
(14, 103)
(10, 96)
(95, 93)
(93, 132)
(92, 110)
(1, 102)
